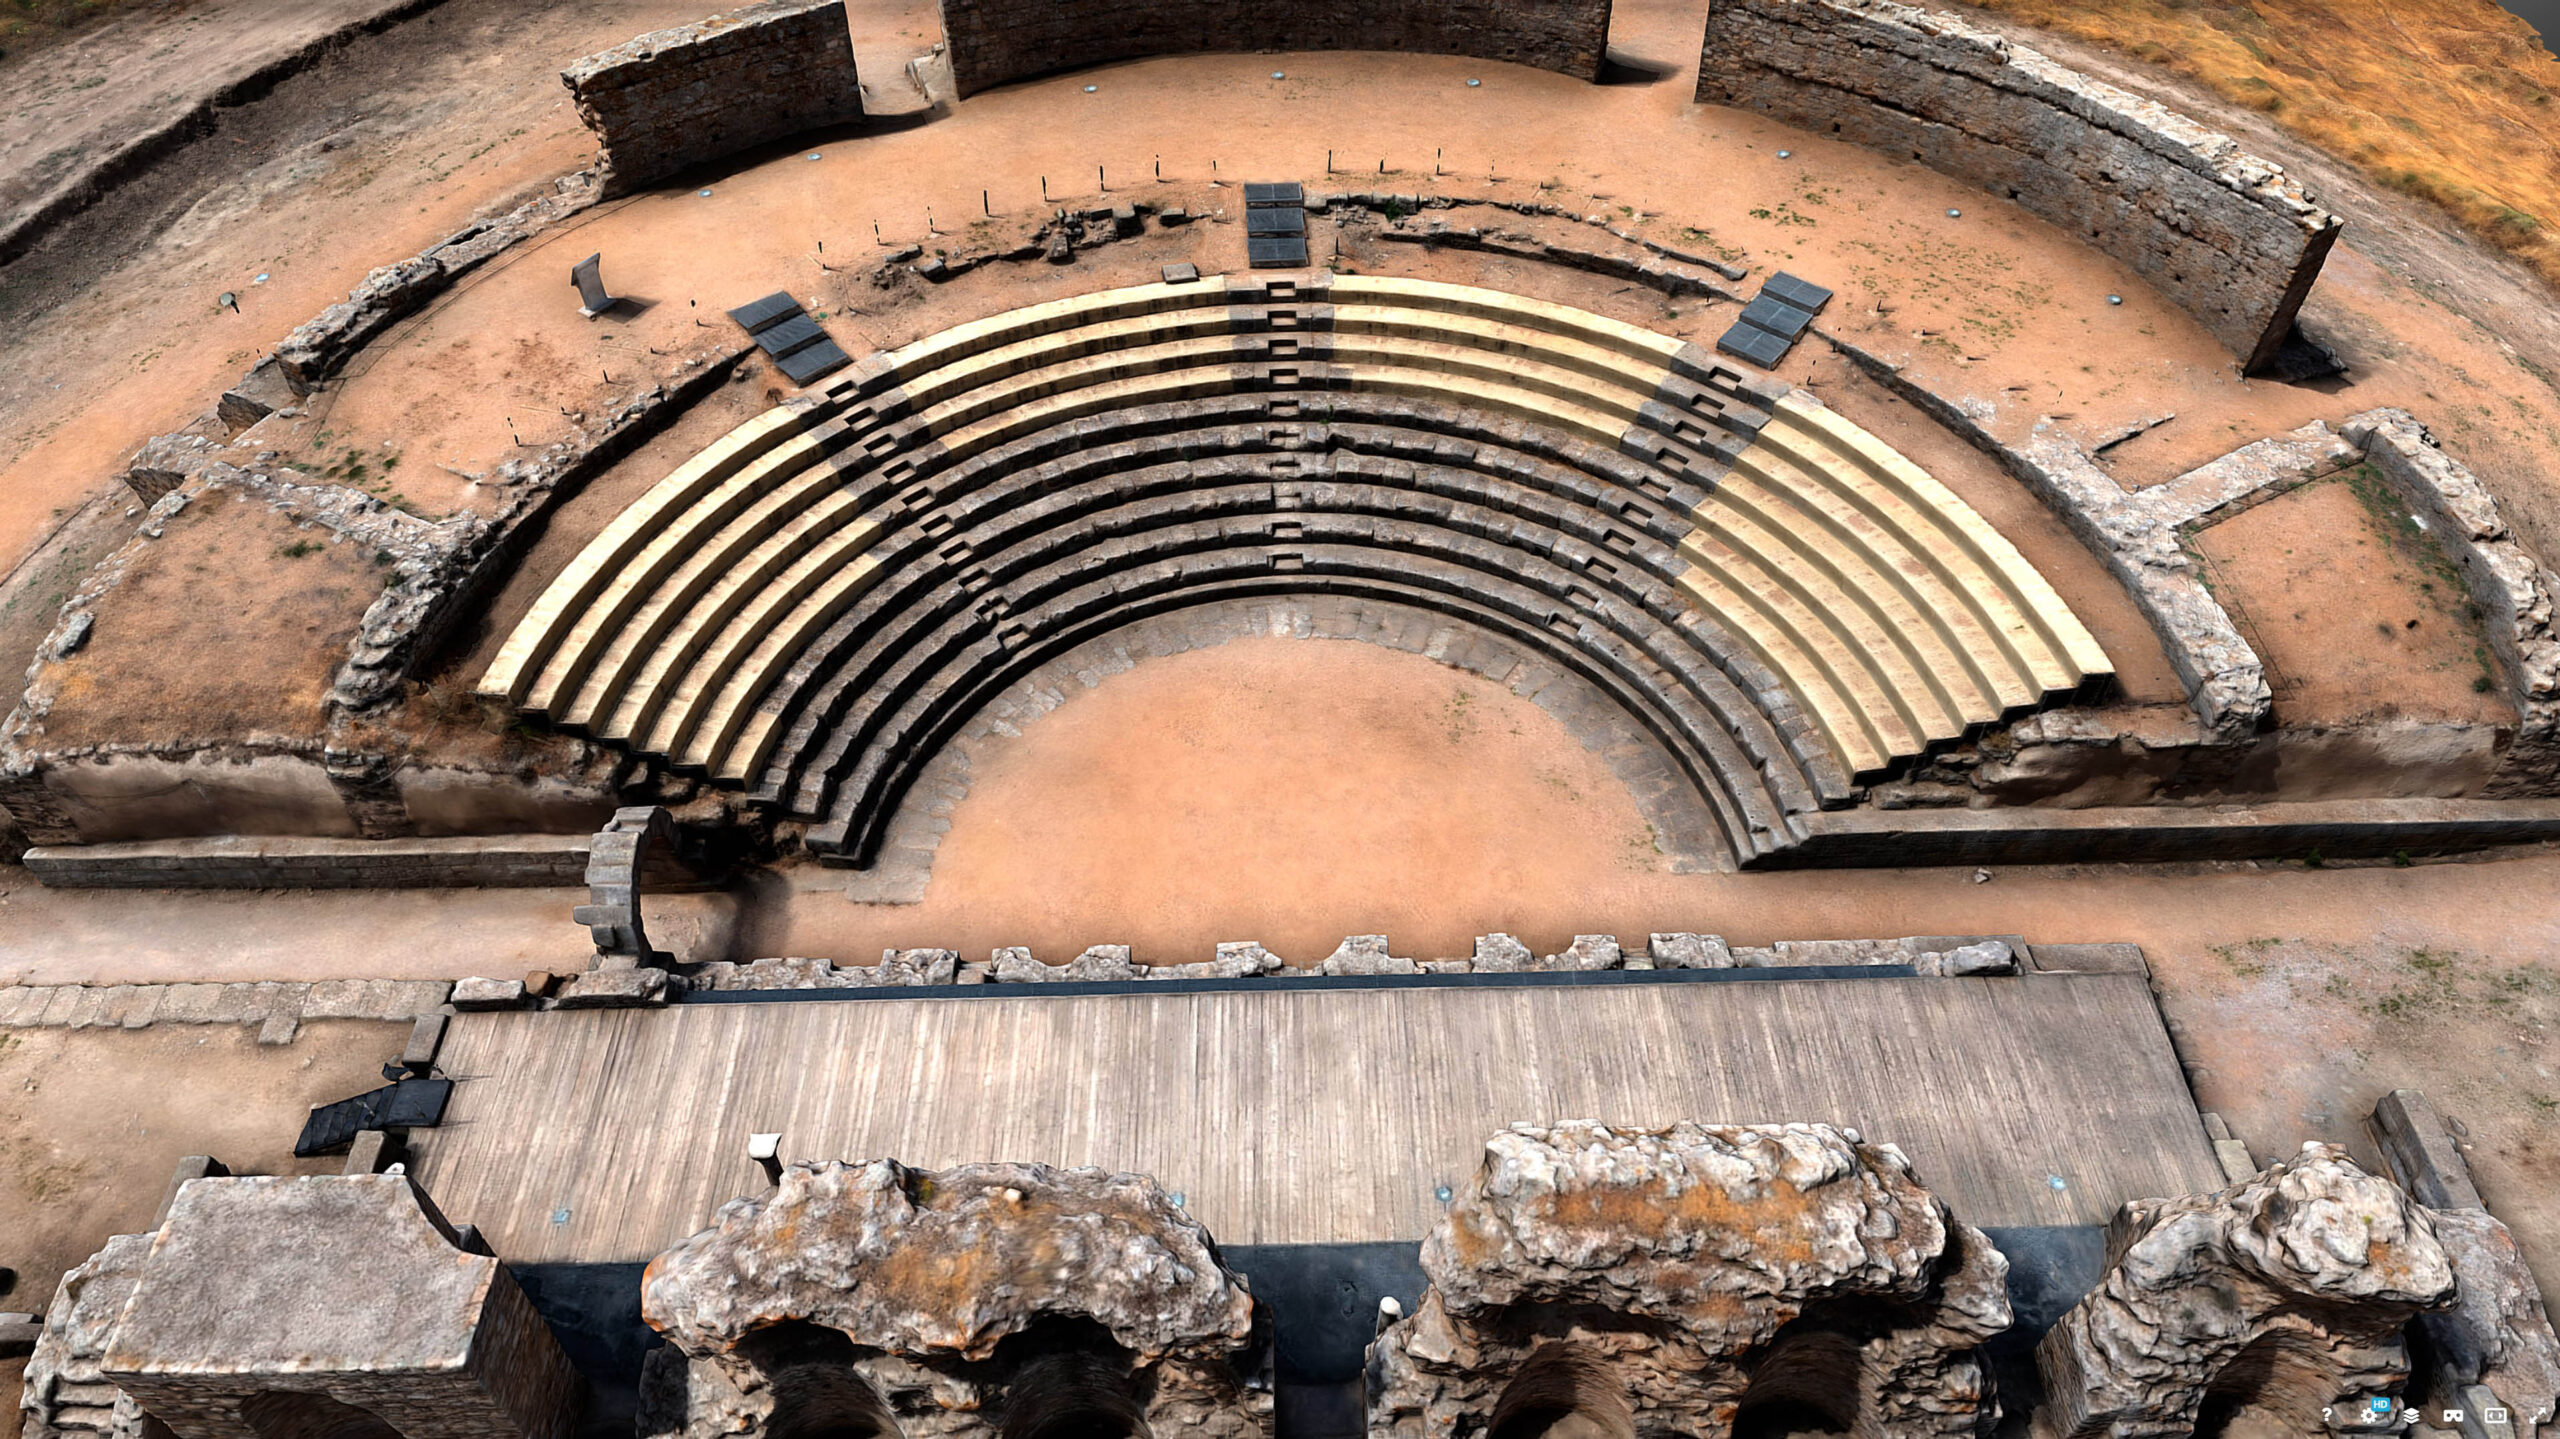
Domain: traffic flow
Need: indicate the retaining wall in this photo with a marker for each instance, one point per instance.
(2225, 234)
(2332, 829)
(514, 861)
(676, 98)
(994, 41)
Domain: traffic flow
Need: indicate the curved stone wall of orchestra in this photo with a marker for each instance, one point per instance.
(810, 607)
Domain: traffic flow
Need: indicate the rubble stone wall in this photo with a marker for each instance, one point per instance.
(676, 98)
(943, 1291)
(994, 41)
(2286, 1293)
(525, 861)
(2513, 589)
(2225, 234)
(1673, 1280)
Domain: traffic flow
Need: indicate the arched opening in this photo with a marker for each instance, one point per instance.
(1805, 1387)
(2274, 1387)
(1563, 1391)
(292, 1414)
(817, 1393)
(1070, 1381)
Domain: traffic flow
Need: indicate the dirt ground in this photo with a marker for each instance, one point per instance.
(223, 563)
(2359, 617)
(96, 1120)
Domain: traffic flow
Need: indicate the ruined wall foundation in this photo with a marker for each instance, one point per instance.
(1700, 1279)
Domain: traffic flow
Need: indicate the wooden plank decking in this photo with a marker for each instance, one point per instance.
(1295, 1115)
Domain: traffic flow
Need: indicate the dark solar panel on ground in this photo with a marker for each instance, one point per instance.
(802, 366)
(1285, 192)
(1776, 316)
(791, 335)
(760, 314)
(1803, 294)
(1289, 220)
(410, 1104)
(1276, 252)
(1754, 344)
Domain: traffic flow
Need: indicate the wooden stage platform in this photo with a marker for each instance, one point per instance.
(1287, 1114)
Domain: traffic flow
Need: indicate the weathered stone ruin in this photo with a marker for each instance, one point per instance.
(676, 98)
(2285, 1295)
(2225, 234)
(66, 1395)
(1700, 1279)
(328, 1307)
(1011, 1300)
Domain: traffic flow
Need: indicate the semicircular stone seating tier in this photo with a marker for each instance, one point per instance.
(807, 609)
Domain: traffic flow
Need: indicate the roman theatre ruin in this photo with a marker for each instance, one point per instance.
(1554, 723)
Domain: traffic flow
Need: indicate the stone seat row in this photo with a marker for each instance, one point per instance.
(1853, 608)
(922, 651)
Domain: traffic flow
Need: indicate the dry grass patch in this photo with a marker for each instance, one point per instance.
(2447, 100)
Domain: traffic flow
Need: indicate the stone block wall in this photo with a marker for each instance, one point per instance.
(345, 1290)
(675, 98)
(2225, 234)
(994, 41)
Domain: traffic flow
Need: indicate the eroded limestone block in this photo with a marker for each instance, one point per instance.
(2497, 1333)
(1587, 952)
(1991, 956)
(1677, 1280)
(1015, 965)
(1236, 959)
(2285, 1293)
(954, 1299)
(66, 1395)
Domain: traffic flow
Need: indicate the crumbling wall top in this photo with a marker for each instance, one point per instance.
(1701, 1225)
(948, 1263)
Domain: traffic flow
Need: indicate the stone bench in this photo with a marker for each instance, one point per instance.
(800, 609)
